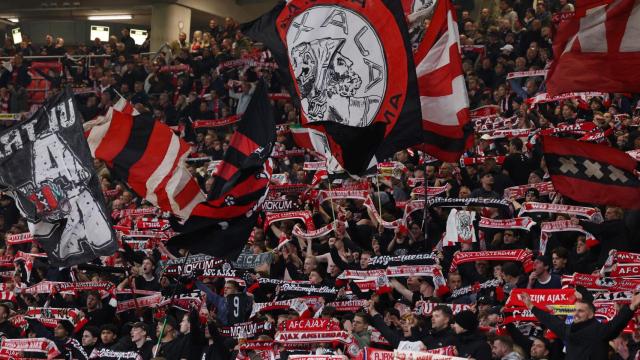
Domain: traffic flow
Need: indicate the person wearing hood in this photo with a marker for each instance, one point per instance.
(470, 342)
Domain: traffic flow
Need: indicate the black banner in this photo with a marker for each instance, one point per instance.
(46, 166)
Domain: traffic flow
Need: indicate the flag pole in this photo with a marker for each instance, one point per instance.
(175, 290)
(425, 222)
(333, 213)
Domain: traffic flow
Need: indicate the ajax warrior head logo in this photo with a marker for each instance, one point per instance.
(339, 65)
(49, 200)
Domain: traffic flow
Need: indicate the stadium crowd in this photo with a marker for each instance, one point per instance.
(460, 306)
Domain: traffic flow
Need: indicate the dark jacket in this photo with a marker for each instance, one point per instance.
(438, 339)
(612, 234)
(588, 339)
(473, 345)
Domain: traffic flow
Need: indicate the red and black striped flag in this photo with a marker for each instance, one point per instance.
(147, 155)
(221, 225)
(352, 73)
(592, 173)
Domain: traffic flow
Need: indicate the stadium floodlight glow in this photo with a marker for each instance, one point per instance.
(110, 17)
(14, 20)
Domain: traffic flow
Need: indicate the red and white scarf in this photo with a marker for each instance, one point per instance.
(40, 345)
(15, 239)
(300, 305)
(521, 255)
(545, 98)
(541, 297)
(425, 308)
(592, 214)
(348, 305)
(521, 74)
(117, 214)
(619, 257)
(56, 315)
(245, 330)
(559, 226)
(521, 223)
(468, 161)
(477, 287)
(519, 192)
(303, 215)
(148, 301)
(595, 282)
(314, 234)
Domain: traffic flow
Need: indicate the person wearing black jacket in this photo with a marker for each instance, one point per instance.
(612, 233)
(6, 328)
(470, 342)
(440, 334)
(586, 338)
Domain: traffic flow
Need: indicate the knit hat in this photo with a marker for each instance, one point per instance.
(466, 319)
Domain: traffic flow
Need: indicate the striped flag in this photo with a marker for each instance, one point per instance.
(222, 225)
(443, 92)
(147, 155)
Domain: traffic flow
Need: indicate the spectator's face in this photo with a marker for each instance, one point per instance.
(364, 260)
(508, 237)
(60, 332)
(430, 172)
(315, 278)
(107, 337)
(558, 262)
(185, 326)
(92, 302)
(138, 334)
(213, 24)
(538, 350)
(487, 180)
(439, 321)
(359, 324)
(498, 349)
(464, 192)
(481, 267)
(539, 267)
(309, 265)
(147, 267)
(229, 289)
(611, 214)
(127, 197)
(454, 281)
(426, 289)
(582, 313)
(334, 270)
(88, 339)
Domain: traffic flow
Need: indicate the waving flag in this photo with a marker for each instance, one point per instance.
(592, 173)
(147, 155)
(598, 49)
(443, 93)
(221, 225)
(46, 166)
(352, 73)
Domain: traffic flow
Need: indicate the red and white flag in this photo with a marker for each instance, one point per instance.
(443, 93)
(596, 49)
(148, 155)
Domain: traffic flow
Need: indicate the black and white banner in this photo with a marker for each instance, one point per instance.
(46, 166)
(280, 205)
